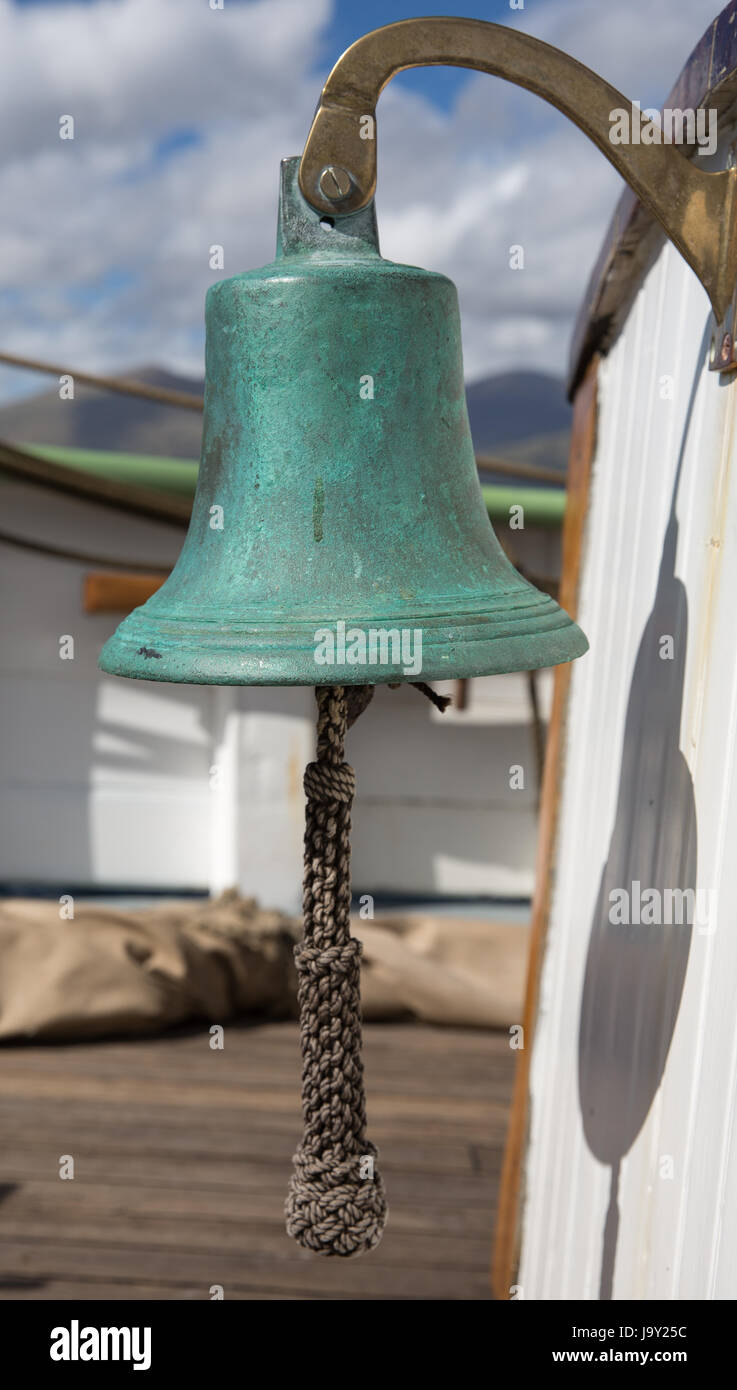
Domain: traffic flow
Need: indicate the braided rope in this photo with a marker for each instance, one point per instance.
(336, 1203)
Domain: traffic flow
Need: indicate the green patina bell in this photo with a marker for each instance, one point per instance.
(338, 533)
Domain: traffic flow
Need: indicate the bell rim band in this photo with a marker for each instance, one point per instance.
(531, 631)
(291, 664)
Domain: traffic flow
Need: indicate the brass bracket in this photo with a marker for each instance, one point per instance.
(723, 347)
(697, 210)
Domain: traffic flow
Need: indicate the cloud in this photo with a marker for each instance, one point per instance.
(181, 116)
(125, 68)
(78, 210)
(507, 169)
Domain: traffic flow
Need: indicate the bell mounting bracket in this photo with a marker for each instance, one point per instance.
(696, 209)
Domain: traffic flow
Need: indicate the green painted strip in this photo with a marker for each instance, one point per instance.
(542, 506)
(144, 470)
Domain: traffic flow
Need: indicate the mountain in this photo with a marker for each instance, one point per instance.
(541, 450)
(514, 406)
(521, 416)
(103, 420)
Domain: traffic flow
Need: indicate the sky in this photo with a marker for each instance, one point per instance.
(182, 114)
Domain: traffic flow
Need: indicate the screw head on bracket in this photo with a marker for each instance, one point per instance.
(725, 351)
(335, 183)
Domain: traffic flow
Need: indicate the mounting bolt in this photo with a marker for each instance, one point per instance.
(335, 183)
(725, 351)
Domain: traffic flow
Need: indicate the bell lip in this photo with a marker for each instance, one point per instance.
(442, 660)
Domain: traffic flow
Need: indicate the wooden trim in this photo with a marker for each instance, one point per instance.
(583, 443)
(111, 592)
(460, 695)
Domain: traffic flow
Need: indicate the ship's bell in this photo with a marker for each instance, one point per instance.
(338, 511)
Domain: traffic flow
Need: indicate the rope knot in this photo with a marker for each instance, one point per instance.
(337, 961)
(330, 782)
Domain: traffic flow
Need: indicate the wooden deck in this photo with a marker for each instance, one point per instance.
(182, 1157)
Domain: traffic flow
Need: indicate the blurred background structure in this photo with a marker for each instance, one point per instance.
(121, 219)
(195, 789)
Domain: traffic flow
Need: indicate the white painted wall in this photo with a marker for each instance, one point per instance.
(112, 782)
(434, 808)
(635, 1054)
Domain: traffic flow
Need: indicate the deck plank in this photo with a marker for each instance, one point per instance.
(182, 1157)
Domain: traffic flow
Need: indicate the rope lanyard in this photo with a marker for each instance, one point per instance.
(336, 1203)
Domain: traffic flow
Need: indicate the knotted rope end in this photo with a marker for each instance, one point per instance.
(336, 1208)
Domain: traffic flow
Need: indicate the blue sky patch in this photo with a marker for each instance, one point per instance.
(437, 85)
